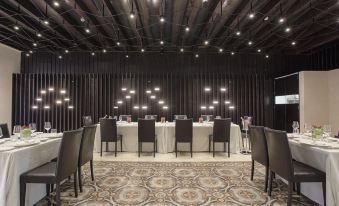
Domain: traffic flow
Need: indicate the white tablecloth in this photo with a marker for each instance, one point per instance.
(15, 162)
(166, 138)
(326, 160)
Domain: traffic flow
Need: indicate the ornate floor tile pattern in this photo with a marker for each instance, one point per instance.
(180, 183)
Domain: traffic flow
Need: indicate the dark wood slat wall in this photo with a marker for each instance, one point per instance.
(96, 94)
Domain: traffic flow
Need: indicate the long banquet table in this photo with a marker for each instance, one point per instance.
(19, 160)
(166, 138)
(323, 159)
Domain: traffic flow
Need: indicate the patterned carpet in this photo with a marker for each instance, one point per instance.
(151, 183)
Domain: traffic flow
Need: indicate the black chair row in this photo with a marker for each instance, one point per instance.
(271, 149)
(183, 134)
(76, 150)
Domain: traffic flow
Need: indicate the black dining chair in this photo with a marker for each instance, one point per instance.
(282, 164)
(183, 133)
(146, 133)
(221, 133)
(87, 120)
(5, 131)
(55, 172)
(259, 151)
(108, 133)
(86, 151)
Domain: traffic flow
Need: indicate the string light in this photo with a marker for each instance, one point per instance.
(293, 43)
(211, 107)
(250, 43)
(287, 29)
(152, 96)
(27, 55)
(181, 49)
(259, 50)
(70, 107)
(115, 107)
(56, 3)
(221, 50)
(30, 51)
(196, 55)
(66, 99)
(16, 27)
(161, 42)
(203, 107)
(136, 107)
(38, 35)
(51, 89)
(128, 97)
(251, 15)
(187, 29)
(66, 51)
(148, 91)
(118, 43)
(165, 107)
(39, 99)
(238, 33)
(131, 15)
(142, 50)
(58, 101)
(87, 30)
(35, 44)
(206, 42)
(104, 51)
(47, 107)
(267, 56)
(162, 19)
(124, 89)
(144, 107)
(207, 89)
(127, 56)
(46, 22)
(231, 107)
(161, 102)
(92, 53)
(232, 53)
(60, 57)
(119, 102)
(215, 102)
(281, 20)
(34, 107)
(223, 89)
(227, 102)
(156, 89)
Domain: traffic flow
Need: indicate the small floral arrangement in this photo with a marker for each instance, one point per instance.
(25, 131)
(317, 132)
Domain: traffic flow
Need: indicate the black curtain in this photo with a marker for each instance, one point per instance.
(97, 95)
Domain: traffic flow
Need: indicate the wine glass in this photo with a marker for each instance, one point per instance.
(327, 130)
(308, 128)
(1, 133)
(295, 126)
(32, 127)
(48, 126)
(17, 130)
(120, 118)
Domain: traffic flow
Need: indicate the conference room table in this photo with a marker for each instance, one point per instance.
(323, 156)
(19, 159)
(166, 138)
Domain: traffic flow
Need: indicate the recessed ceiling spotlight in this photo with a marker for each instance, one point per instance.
(60, 57)
(16, 27)
(196, 55)
(35, 44)
(281, 20)
(181, 49)
(187, 29)
(207, 89)
(259, 50)
(132, 15)
(162, 19)
(118, 43)
(87, 30)
(92, 53)
(46, 22)
(104, 51)
(27, 55)
(38, 35)
(206, 42)
(66, 51)
(266, 18)
(127, 56)
(293, 43)
(251, 15)
(238, 33)
(232, 53)
(142, 50)
(267, 56)
(287, 29)
(221, 50)
(30, 51)
(250, 43)
(56, 3)
(161, 42)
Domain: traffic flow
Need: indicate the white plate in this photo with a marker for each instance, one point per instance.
(50, 135)
(3, 149)
(26, 144)
(43, 139)
(2, 141)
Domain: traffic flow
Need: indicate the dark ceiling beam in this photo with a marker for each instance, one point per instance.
(167, 26)
(179, 21)
(192, 12)
(144, 21)
(9, 40)
(77, 37)
(203, 19)
(303, 25)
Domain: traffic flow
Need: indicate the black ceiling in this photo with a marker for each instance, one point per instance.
(312, 23)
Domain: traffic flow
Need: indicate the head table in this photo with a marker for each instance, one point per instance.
(20, 159)
(323, 156)
(166, 138)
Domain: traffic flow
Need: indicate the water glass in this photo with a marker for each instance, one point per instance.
(295, 126)
(308, 128)
(120, 118)
(32, 127)
(48, 126)
(17, 130)
(54, 131)
(327, 130)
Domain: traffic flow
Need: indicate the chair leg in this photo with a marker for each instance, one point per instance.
(106, 146)
(290, 191)
(101, 149)
(176, 149)
(115, 151)
(324, 192)
(213, 145)
(48, 189)
(57, 194)
(229, 149)
(298, 188)
(79, 176)
(121, 144)
(138, 149)
(270, 183)
(266, 179)
(154, 148)
(224, 147)
(91, 166)
(209, 144)
(75, 184)
(22, 193)
(252, 170)
(191, 149)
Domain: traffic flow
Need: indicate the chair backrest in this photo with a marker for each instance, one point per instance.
(151, 116)
(108, 130)
(184, 130)
(68, 157)
(124, 117)
(180, 116)
(222, 130)
(208, 118)
(87, 120)
(259, 149)
(5, 131)
(279, 154)
(146, 130)
(87, 144)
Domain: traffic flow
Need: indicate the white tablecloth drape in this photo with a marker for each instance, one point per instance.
(166, 138)
(326, 160)
(15, 162)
